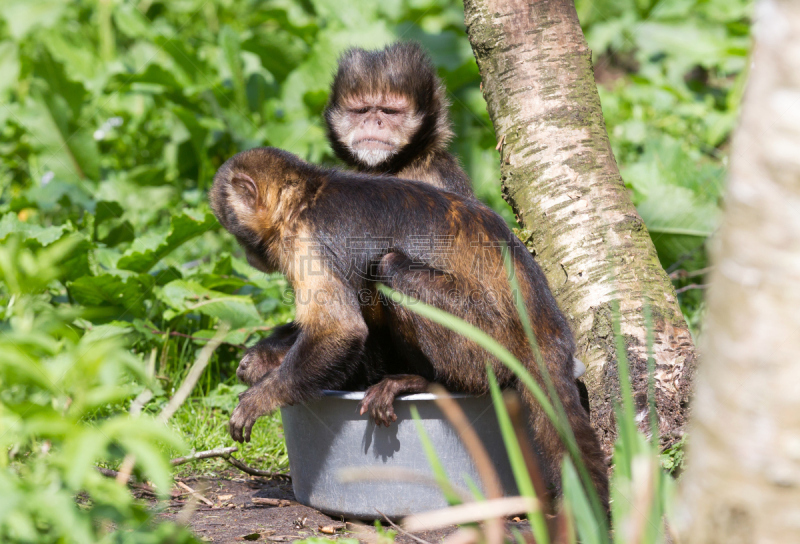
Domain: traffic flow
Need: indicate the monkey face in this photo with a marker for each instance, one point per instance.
(376, 127)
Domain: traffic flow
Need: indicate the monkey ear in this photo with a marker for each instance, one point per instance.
(245, 186)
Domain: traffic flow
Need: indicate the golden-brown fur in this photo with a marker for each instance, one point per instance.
(342, 341)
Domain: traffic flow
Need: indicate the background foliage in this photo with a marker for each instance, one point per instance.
(114, 115)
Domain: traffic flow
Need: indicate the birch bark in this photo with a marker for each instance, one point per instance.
(560, 176)
(742, 483)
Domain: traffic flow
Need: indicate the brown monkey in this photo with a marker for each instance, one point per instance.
(387, 114)
(364, 229)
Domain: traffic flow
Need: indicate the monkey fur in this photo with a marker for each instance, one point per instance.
(387, 114)
(283, 211)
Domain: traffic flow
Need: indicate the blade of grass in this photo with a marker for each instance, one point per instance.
(433, 459)
(564, 428)
(491, 482)
(470, 439)
(651, 379)
(518, 538)
(473, 488)
(516, 459)
(628, 422)
(579, 507)
(479, 337)
(507, 358)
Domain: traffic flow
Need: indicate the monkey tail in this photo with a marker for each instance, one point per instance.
(551, 448)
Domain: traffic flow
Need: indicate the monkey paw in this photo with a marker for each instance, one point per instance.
(257, 362)
(379, 402)
(253, 403)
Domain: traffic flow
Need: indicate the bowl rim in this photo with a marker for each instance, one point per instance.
(359, 395)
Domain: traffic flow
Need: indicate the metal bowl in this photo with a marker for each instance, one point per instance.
(328, 435)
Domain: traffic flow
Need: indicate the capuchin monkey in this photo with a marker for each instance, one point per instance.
(300, 219)
(387, 115)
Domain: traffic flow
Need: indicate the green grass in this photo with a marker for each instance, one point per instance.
(204, 428)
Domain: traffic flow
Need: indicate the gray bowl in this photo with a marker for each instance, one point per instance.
(328, 435)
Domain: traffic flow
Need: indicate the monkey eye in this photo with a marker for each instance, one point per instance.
(389, 111)
(360, 110)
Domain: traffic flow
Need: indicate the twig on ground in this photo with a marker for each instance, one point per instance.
(254, 471)
(194, 374)
(191, 491)
(207, 454)
(138, 403)
(225, 453)
(265, 501)
(401, 530)
(185, 513)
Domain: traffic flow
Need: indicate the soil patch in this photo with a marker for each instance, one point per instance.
(232, 513)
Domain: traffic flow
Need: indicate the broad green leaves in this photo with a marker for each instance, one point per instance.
(24, 16)
(107, 292)
(672, 74)
(145, 253)
(61, 414)
(188, 296)
(677, 195)
(9, 223)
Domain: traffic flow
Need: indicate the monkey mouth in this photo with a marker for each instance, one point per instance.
(373, 144)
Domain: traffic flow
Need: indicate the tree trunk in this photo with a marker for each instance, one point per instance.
(560, 177)
(742, 483)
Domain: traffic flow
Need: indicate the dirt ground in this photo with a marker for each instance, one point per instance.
(232, 515)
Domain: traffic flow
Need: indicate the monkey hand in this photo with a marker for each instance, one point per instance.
(379, 402)
(258, 361)
(257, 401)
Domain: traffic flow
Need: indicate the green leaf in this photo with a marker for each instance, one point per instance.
(127, 295)
(182, 228)
(191, 297)
(22, 16)
(130, 21)
(231, 48)
(224, 396)
(43, 235)
(81, 452)
(107, 209)
(9, 65)
(65, 144)
(154, 74)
